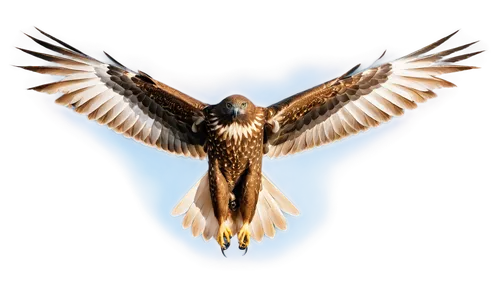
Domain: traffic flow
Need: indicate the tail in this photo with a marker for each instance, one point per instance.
(198, 211)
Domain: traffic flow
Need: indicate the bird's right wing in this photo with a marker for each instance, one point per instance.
(355, 102)
(131, 103)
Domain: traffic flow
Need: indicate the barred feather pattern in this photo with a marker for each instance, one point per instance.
(345, 107)
(104, 91)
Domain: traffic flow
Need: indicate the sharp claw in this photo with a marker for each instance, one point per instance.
(222, 250)
(243, 248)
(226, 247)
(227, 243)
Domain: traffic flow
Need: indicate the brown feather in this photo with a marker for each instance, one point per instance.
(52, 70)
(349, 104)
(62, 86)
(128, 102)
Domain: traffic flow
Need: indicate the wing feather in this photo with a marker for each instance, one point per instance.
(105, 108)
(130, 103)
(353, 103)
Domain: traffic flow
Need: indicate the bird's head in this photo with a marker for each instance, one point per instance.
(236, 106)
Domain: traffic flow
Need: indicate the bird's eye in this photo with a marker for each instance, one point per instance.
(244, 105)
(229, 105)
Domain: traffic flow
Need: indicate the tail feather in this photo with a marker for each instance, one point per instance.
(274, 211)
(194, 209)
(283, 202)
(198, 212)
(200, 220)
(188, 199)
(266, 218)
(210, 227)
(257, 232)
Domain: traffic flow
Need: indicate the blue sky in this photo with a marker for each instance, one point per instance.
(158, 181)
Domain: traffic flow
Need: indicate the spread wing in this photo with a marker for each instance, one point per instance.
(353, 103)
(133, 104)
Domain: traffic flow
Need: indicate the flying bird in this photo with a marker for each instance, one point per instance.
(234, 197)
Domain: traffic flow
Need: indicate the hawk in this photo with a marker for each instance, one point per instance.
(234, 197)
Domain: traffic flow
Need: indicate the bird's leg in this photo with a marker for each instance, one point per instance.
(250, 195)
(224, 236)
(220, 197)
(244, 236)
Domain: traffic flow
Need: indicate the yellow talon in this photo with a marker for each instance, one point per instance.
(224, 236)
(244, 236)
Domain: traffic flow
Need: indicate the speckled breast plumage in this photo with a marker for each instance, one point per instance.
(235, 146)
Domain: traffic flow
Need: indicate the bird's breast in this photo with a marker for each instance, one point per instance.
(235, 145)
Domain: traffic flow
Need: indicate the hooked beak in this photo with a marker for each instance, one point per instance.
(236, 111)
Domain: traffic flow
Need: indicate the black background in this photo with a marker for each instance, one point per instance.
(417, 205)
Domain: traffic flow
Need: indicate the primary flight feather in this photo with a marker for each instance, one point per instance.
(234, 197)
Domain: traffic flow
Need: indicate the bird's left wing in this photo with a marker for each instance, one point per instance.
(131, 103)
(353, 103)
